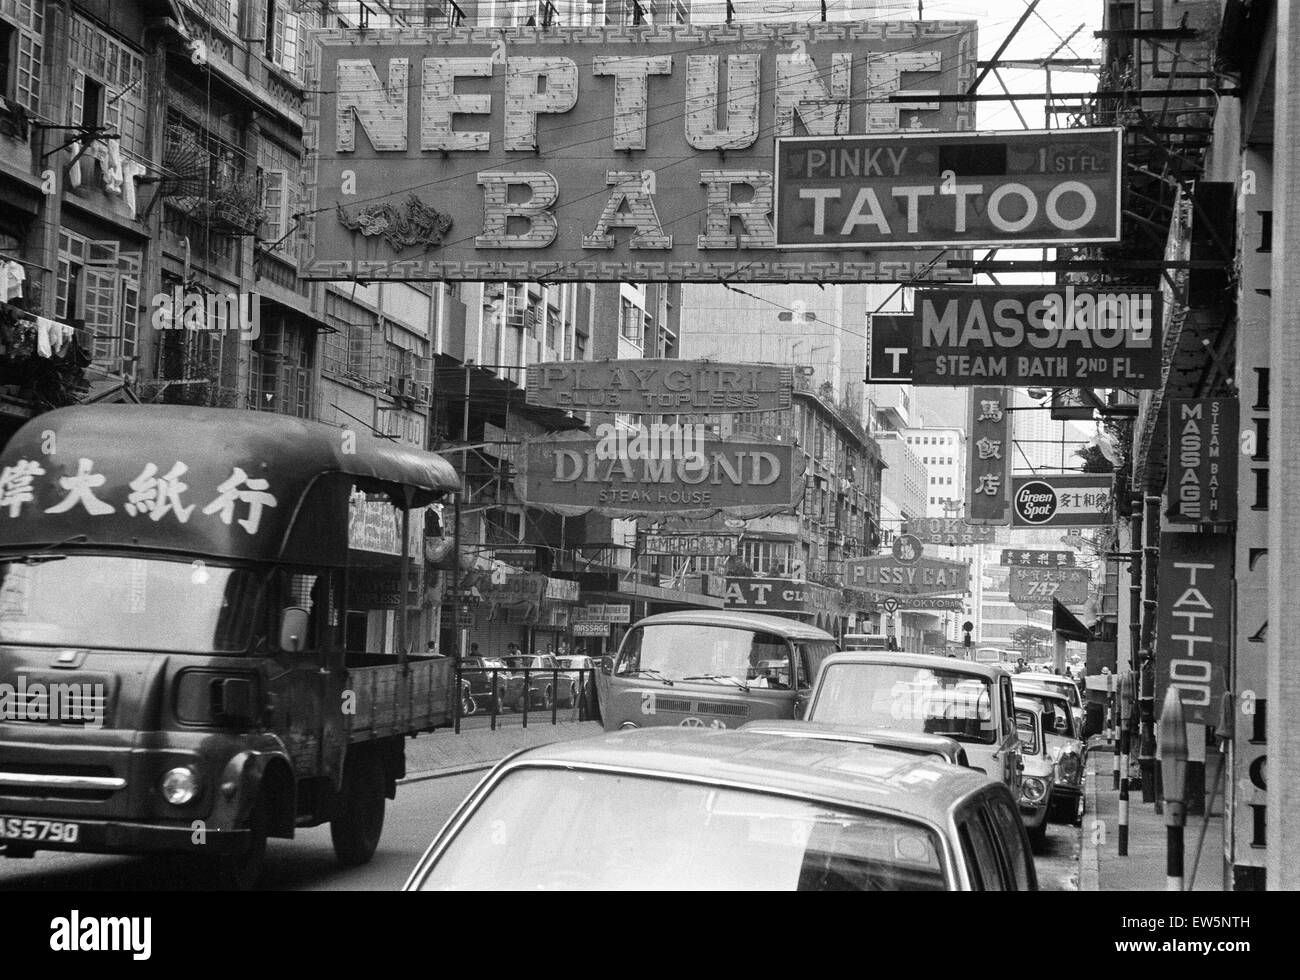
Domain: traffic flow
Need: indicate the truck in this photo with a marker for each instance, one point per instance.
(204, 639)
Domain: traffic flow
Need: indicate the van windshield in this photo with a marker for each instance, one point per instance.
(907, 699)
(128, 603)
(708, 654)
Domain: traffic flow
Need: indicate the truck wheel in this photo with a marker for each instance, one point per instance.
(359, 817)
(243, 872)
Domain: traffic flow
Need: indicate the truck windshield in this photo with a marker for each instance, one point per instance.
(709, 654)
(906, 699)
(127, 603)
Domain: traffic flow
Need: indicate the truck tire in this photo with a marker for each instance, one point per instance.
(243, 872)
(359, 814)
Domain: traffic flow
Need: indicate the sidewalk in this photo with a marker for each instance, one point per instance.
(444, 753)
(1100, 866)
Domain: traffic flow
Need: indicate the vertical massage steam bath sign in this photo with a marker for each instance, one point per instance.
(640, 153)
(1202, 469)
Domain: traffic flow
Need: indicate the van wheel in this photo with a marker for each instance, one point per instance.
(359, 816)
(243, 872)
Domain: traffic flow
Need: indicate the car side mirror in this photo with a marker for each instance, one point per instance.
(293, 629)
(606, 665)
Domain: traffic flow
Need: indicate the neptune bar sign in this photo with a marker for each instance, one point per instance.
(599, 154)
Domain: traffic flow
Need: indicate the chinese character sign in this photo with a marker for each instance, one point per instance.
(988, 457)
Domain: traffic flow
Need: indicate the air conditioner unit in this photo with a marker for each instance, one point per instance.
(517, 319)
(395, 385)
(425, 394)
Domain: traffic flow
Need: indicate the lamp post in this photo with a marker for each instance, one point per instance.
(1173, 776)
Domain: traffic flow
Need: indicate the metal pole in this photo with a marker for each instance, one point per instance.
(1173, 855)
(1147, 690)
(1282, 861)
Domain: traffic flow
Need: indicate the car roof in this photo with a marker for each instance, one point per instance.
(987, 671)
(1039, 677)
(1037, 690)
(842, 772)
(758, 622)
(923, 741)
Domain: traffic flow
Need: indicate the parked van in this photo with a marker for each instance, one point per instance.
(711, 669)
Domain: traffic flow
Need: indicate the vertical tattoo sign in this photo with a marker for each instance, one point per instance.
(988, 458)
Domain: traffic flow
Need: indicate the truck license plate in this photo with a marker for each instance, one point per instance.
(35, 829)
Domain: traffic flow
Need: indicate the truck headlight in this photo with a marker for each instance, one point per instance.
(1033, 789)
(180, 785)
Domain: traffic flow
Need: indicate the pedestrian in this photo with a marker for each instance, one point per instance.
(473, 650)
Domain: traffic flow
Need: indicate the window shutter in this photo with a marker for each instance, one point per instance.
(78, 97)
(289, 46)
(101, 311)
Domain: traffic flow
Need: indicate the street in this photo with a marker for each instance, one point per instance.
(307, 862)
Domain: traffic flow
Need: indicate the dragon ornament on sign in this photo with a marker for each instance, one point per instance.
(413, 223)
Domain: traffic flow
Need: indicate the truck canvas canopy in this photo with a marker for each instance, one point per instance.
(206, 482)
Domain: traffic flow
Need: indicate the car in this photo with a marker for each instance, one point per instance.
(933, 746)
(492, 683)
(1067, 686)
(679, 809)
(715, 668)
(580, 670)
(547, 684)
(927, 695)
(1065, 746)
(1039, 776)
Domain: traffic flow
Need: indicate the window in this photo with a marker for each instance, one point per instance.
(22, 32)
(631, 322)
(108, 86)
(279, 369)
(101, 287)
(282, 35)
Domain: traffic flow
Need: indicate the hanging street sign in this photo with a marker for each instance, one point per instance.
(660, 386)
(1201, 485)
(573, 474)
(889, 348)
(663, 543)
(638, 153)
(988, 457)
(907, 548)
(1194, 621)
(950, 531)
(946, 189)
(1074, 500)
(1037, 587)
(886, 575)
(1054, 336)
(1036, 558)
(603, 613)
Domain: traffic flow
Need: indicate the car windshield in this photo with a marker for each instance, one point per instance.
(128, 604)
(1056, 713)
(543, 829)
(707, 653)
(907, 699)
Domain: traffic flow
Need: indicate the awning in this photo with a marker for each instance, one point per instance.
(490, 395)
(1067, 625)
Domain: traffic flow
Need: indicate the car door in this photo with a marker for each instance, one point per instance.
(1012, 842)
(1009, 742)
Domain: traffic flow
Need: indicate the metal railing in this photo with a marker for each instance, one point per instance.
(526, 690)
